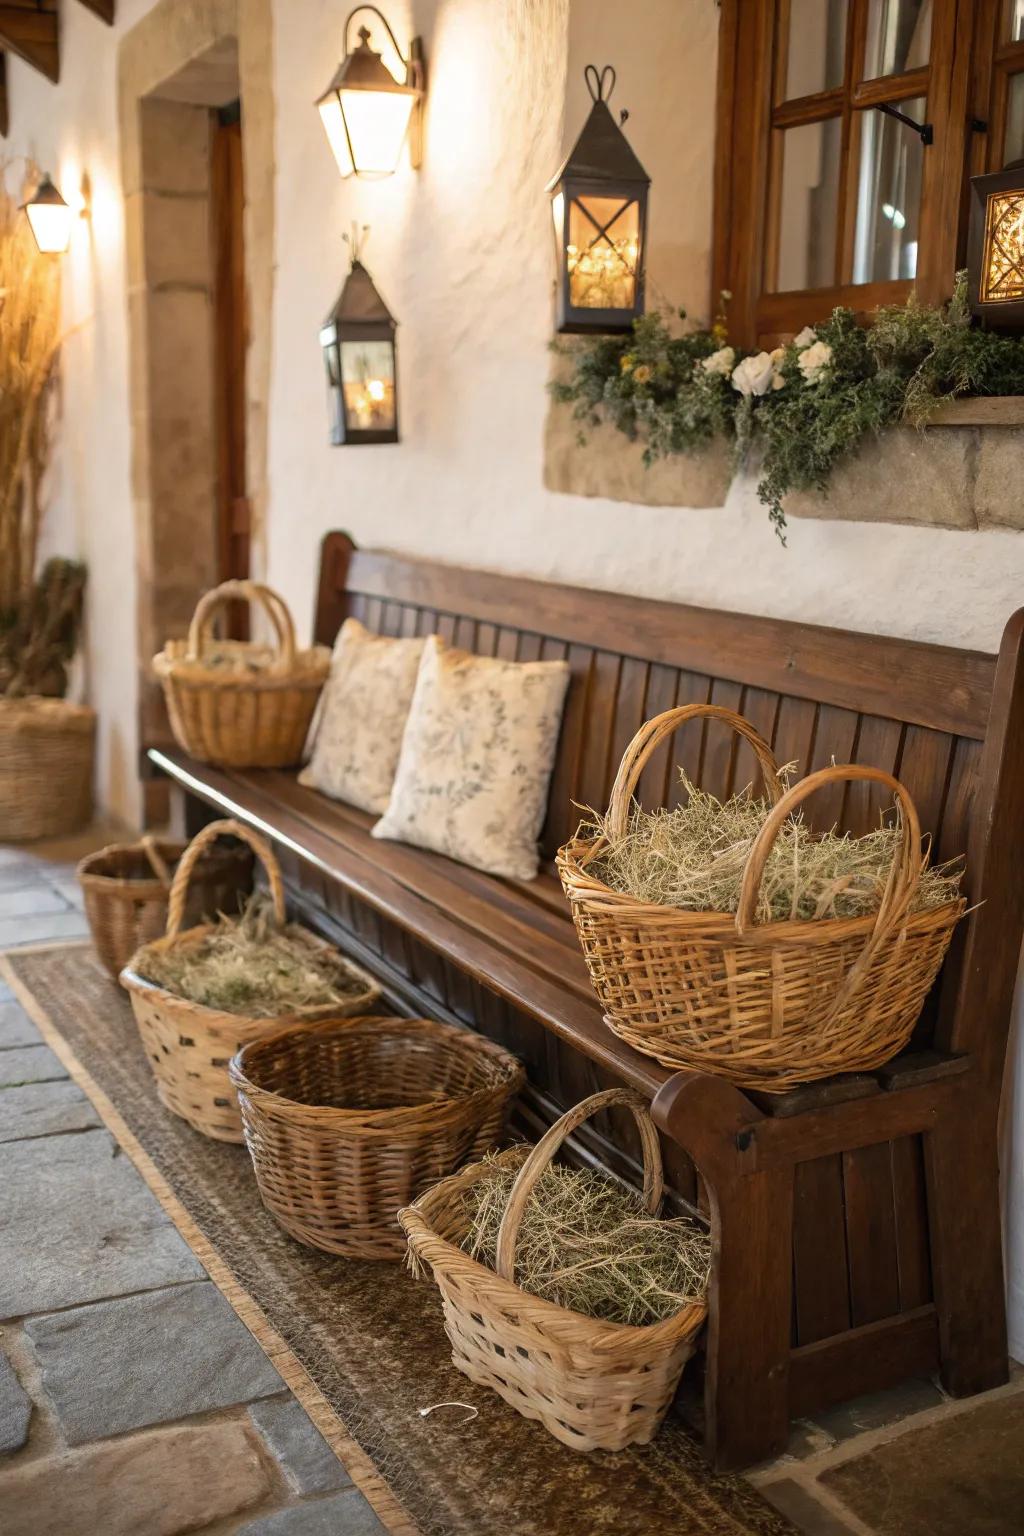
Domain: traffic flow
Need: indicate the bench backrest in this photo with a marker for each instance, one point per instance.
(949, 723)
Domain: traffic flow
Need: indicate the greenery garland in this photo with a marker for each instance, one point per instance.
(804, 405)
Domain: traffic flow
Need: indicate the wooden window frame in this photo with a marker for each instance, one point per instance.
(748, 158)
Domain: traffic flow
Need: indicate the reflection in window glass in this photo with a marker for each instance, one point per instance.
(1013, 25)
(807, 212)
(899, 36)
(817, 46)
(888, 196)
(1013, 143)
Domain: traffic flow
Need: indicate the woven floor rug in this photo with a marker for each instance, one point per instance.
(362, 1345)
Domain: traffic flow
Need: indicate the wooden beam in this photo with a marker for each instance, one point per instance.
(33, 33)
(5, 113)
(104, 9)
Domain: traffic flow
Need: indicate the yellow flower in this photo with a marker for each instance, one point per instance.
(626, 361)
(642, 374)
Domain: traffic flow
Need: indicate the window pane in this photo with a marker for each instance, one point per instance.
(817, 46)
(1013, 20)
(888, 196)
(807, 212)
(1013, 144)
(368, 385)
(899, 36)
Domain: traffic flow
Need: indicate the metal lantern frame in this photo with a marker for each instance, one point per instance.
(359, 314)
(600, 164)
(361, 69)
(47, 195)
(1000, 314)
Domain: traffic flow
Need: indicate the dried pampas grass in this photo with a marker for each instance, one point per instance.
(587, 1243)
(693, 857)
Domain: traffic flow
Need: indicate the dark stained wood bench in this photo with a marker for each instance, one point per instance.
(856, 1222)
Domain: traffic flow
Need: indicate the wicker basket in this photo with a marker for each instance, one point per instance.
(46, 762)
(188, 1045)
(768, 1006)
(125, 889)
(349, 1120)
(594, 1385)
(235, 703)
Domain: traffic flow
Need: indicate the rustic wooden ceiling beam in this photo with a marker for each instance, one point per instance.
(104, 9)
(32, 31)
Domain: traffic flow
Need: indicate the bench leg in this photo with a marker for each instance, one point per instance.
(962, 1173)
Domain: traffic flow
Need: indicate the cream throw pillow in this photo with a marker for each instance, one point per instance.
(364, 709)
(476, 759)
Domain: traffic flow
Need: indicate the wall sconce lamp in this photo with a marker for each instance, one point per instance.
(367, 114)
(51, 218)
(995, 248)
(358, 342)
(599, 204)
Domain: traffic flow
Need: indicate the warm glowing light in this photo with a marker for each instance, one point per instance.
(1002, 269)
(366, 111)
(368, 385)
(602, 252)
(51, 218)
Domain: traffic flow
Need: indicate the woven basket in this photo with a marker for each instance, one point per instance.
(594, 1385)
(125, 889)
(189, 1045)
(235, 703)
(768, 1006)
(46, 762)
(349, 1120)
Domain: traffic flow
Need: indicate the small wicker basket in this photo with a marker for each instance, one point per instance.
(594, 1385)
(46, 763)
(773, 1005)
(189, 1045)
(235, 703)
(125, 888)
(349, 1120)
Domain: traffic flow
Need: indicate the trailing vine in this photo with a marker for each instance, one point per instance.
(803, 406)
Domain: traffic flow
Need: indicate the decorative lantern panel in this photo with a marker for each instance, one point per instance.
(358, 341)
(996, 248)
(599, 204)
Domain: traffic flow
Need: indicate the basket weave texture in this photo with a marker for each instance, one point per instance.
(188, 1045)
(235, 703)
(594, 1385)
(349, 1120)
(772, 1005)
(126, 885)
(46, 764)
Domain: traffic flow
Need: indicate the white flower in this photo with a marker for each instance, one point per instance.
(813, 360)
(777, 354)
(721, 361)
(755, 375)
(805, 338)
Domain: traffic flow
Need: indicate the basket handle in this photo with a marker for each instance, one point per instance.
(650, 737)
(182, 875)
(272, 603)
(156, 860)
(540, 1157)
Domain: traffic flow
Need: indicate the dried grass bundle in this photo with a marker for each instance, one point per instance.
(250, 966)
(693, 857)
(587, 1243)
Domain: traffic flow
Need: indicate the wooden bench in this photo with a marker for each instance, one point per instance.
(856, 1222)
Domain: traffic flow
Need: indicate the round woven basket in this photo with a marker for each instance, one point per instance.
(189, 1045)
(126, 885)
(594, 1385)
(46, 764)
(235, 703)
(349, 1120)
(769, 1005)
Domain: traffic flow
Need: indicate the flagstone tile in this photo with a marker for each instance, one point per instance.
(44, 1109)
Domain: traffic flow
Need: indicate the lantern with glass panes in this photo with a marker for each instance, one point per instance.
(995, 248)
(368, 112)
(599, 203)
(358, 341)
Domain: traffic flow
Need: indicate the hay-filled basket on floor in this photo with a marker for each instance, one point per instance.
(769, 1005)
(593, 1384)
(236, 703)
(348, 1120)
(189, 1044)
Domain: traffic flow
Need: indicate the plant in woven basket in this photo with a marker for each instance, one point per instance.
(39, 637)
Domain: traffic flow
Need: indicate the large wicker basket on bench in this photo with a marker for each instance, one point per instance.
(768, 1005)
(592, 1384)
(235, 703)
(188, 1045)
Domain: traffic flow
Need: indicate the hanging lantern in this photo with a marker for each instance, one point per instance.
(358, 341)
(995, 248)
(599, 203)
(50, 217)
(367, 113)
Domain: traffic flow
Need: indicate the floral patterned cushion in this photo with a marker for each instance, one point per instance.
(364, 709)
(476, 760)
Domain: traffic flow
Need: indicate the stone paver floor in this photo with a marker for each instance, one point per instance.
(134, 1403)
